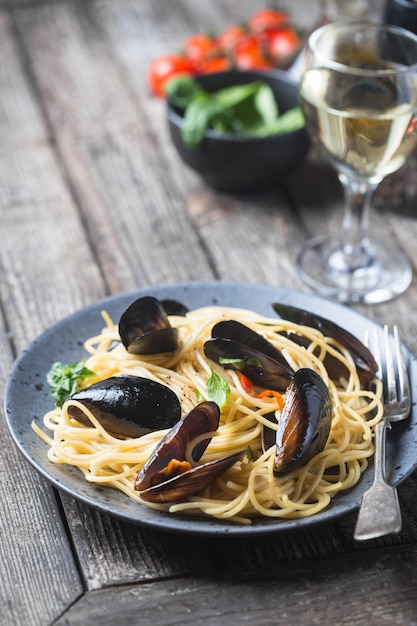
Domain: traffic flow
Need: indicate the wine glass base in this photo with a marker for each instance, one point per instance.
(387, 274)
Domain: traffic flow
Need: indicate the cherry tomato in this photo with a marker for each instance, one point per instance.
(216, 64)
(164, 68)
(265, 19)
(248, 54)
(230, 37)
(198, 48)
(281, 42)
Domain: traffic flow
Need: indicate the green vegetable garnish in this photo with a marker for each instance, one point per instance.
(65, 379)
(181, 90)
(249, 109)
(249, 454)
(239, 364)
(218, 389)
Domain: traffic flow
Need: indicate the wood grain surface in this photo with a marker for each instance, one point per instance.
(94, 201)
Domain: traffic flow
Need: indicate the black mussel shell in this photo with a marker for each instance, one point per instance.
(269, 435)
(235, 346)
(164, 479)
(144, 328)
(231, 329)
(305, 422)
(203, 418)
(190, 482)
(335, 368)
(173, 307)
(128, 406)
(259, 368)
(364, 360)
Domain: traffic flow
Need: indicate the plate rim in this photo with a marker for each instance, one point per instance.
(157, 520)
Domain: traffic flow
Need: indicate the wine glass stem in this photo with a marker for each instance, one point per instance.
(356, 250)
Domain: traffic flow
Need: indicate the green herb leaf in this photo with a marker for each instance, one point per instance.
(239, 364)
(249, 109)
(288, 122)
(198, 116)
(218, 389)
(232, 96)
(266, 104)
(65, 379)
(181, 90)
(249, 454)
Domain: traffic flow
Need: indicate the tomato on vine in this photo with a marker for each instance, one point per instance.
(266, 19)
(281, 43)
(165, 67)
(248, 54)
(199, 49)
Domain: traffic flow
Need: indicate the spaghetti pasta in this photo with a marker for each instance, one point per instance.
(250, 488)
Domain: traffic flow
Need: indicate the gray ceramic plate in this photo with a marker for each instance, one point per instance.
(27, 398)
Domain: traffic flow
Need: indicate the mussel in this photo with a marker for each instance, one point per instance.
(364, 360)
(235, 346)
(304, 425)
(174, 307)
(167, 476)
(144, 328)
(128, 406)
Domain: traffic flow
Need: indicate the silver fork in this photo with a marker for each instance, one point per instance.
(380, 512)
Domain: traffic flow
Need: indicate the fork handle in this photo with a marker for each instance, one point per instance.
(380, 512)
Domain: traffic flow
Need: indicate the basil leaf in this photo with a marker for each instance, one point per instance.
(218, 389)
(181, 90)
(198, 116)
(249, 454)
(286, 123)
(232, 96)
(249, 109)
(252, 106)
(266, 104)
(64, 379)
(239, 364)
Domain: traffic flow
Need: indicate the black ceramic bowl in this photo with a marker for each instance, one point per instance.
(236, 163)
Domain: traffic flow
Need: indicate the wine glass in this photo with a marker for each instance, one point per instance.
(359, 97)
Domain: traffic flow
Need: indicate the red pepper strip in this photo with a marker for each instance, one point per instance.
(245, 382)
(270, 392)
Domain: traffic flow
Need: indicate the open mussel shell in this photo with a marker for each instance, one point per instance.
(364, 360)
(203, 418)
(335, 368)
(304, 425)
(190, 482)
(173, 307)
(236, 347)
(128, 406)
(269, 435)
(144, 328)
(156, 482)
(236, 331)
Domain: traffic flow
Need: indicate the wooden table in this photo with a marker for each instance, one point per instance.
(94, 201)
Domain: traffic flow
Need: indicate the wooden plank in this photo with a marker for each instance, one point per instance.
(366, 590)
(112, 155)
(40, 577)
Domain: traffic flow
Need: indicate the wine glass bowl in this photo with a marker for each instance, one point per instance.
(359, 97)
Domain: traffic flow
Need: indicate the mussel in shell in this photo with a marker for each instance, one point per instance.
(168, 476)
(144, 328)
(235, 346)
(364, 360)
(173, 307)
(304, 425)
(128, 406)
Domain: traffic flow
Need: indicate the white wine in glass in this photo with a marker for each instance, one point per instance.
(359, 97)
